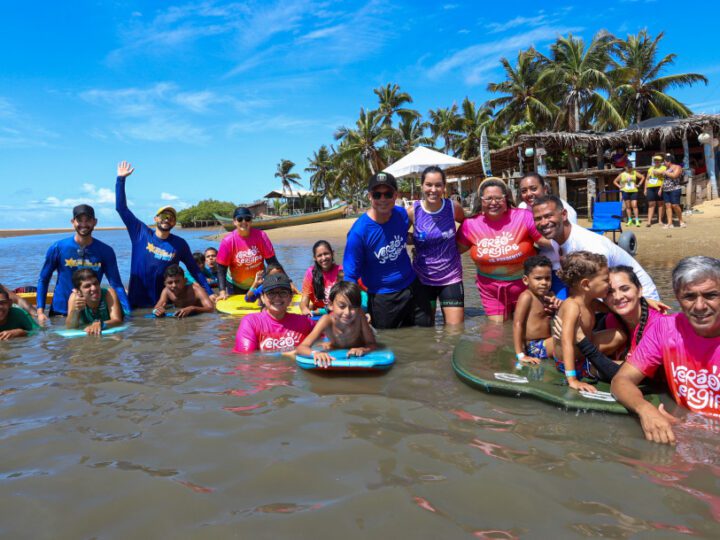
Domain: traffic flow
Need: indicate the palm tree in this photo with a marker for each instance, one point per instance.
(366, 141)
(472, 122)
(575, 77)
(445, 123)
(391, 103)
(640, 92)
(525, 101)
(321, 167)
(287, 177)
(409, 135)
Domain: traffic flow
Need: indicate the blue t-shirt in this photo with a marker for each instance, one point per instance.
(377, 253)
(66, 256)
(151, 256)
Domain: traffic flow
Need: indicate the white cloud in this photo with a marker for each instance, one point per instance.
(475, 60)
(18, 130)
(539, 19)
(99, 196)
(168, 196)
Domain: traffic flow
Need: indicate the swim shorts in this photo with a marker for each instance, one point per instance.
(582, 367)
(393, 310)
(427, 296)
(653, 195)
(672, 197)
(499, 297)
(536, 349)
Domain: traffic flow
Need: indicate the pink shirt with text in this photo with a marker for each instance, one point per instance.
(261, 332)
(245, 256)
(691, 362)
(611, 322)
(330, 278)
(500, 247)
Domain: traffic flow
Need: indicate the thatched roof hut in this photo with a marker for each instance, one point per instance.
(676, 135)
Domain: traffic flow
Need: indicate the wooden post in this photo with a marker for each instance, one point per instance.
(689, 189)
(710, 164)
(591, 195)
(562, 188)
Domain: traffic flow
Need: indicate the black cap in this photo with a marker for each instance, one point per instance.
(81, 209)
(242, 212)
(276, 281)
(382, 179)
(669, 158)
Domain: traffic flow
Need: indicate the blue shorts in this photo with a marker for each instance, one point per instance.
(536, 349)
(582, 367)
(672, 197)
(653, 195)
(629, 195)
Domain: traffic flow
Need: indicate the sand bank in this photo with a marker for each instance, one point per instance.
(10, 233)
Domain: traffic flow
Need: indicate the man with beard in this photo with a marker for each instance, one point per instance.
(74, 253)
(152, 250)
(552, 222)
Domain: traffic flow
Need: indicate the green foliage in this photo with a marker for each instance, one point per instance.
(205, 210)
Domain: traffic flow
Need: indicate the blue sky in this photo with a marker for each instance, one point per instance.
(205, 98)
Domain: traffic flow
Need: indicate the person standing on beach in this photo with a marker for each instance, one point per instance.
(671, 191)
(242, 255)
(75, 253)
(437, 260)
(628, 182)
(152, 250)
(552, 222)
(654, 189)
(376, 252)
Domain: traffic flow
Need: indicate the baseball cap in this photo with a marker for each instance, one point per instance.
(167, 210)
(276, 281)
(242, 212)
(81, 209)
(669, 157)
(382, 179)
(657, 158)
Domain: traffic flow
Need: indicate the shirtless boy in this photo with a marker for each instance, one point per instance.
(188, 299)
(531, 323)
(587, 277)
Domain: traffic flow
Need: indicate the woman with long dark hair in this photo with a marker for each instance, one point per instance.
(319, 279)
(437, 261)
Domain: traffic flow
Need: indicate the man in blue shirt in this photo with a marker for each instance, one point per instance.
(152, 250)
(74, 253)
(376, 252)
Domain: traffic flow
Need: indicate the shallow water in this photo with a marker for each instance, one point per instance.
(161, 431)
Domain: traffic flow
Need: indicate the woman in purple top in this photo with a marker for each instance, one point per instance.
(437, 261)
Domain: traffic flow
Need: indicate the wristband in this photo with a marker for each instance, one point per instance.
(520, 356)
(570, 373)
(102, 325)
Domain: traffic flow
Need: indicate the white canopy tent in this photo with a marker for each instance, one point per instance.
(416, 161)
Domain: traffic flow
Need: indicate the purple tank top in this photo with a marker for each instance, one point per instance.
(437, 260)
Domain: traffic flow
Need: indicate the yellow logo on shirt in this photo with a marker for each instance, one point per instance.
(159, 253)
(80, 263)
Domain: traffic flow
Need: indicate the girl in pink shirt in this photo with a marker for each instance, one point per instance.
(319, 279)
(273, 329)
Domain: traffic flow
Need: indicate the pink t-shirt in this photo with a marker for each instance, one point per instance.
(691, 362)
(611, 322)
(244, 256)
(499, 248)
(261, 332)
(329, 279)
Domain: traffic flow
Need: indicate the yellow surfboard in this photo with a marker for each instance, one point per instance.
(236, 305)
(31, 297)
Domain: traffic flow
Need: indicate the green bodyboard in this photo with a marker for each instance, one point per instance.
(496, 373)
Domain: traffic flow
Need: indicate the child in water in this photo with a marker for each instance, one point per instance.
(345, 326)
(256, 289)
(14, 321)
(189, 299)
(90, 306)
(531, 323)
(588, 278)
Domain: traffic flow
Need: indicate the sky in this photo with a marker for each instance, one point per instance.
(205, 98)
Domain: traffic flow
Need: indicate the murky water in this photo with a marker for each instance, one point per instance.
(162, 432)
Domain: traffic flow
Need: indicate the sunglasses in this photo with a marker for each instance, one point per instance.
(377, 195)
(245, 219)
(282, 293)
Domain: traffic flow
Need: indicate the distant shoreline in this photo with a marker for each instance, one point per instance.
(11, 233)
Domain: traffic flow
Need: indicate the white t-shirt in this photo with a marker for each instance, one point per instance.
(582, 239)
(571, 213)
